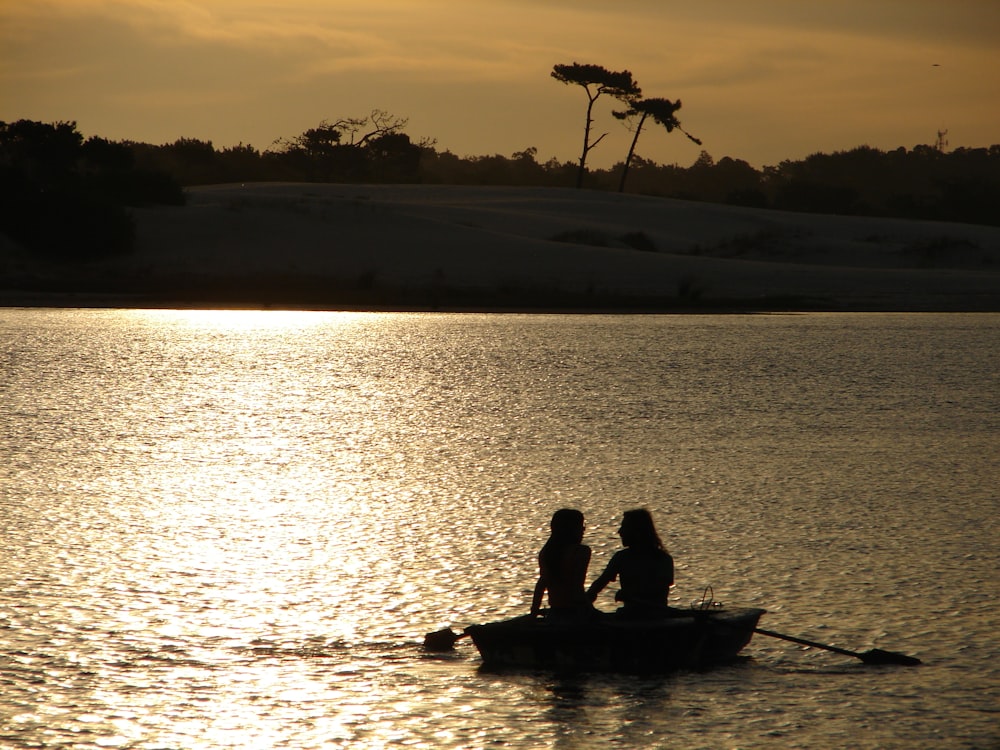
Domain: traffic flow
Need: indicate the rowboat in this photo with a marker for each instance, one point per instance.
(609, 642)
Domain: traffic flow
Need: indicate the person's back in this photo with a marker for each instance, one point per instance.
(565, 577)
(562, 566)
(645, 577)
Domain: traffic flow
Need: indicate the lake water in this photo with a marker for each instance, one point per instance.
(231, 529)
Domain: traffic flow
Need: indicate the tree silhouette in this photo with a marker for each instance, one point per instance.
(379, 124)
(64, 198)
(663, 112)
(595, 80)
(342, 149)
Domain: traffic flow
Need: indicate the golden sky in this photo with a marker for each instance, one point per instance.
(760, 80)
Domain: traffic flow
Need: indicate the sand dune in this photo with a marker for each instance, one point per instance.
(331, 245)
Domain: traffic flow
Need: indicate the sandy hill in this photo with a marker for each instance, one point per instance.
(330, 245)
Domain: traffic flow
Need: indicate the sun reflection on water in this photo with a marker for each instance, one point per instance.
(233, 527)
(236, 321)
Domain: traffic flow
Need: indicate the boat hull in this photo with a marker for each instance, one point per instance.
(693, 639)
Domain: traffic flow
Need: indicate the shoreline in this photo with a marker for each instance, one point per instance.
(89, 301)
(83, 300)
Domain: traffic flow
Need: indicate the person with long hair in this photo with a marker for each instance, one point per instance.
(562, 567)
(644, 569)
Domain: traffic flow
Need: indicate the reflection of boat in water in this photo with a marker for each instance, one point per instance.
(690, 639)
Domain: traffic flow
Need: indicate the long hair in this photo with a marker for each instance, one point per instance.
(566, 529)
(639, 532)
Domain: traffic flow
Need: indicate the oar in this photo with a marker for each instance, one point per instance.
(442, 640)
(874, 656)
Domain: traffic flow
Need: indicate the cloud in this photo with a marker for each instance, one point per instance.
(747, 72)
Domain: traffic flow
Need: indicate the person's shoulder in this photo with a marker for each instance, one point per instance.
(664, 557)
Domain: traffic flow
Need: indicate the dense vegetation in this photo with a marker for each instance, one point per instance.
(65, 197)
(925, 182)
(61, 193)
(919, 183)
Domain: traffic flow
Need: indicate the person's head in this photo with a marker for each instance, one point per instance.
(567, 529)
(567, 526)
(638, 531)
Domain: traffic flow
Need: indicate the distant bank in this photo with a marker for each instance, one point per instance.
(414, 247)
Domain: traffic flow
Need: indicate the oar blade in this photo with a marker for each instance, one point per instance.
(441, 640)
(878, 656)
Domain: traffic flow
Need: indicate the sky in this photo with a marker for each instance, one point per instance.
(760, 80)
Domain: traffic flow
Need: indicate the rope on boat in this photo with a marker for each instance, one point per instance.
(707, 601)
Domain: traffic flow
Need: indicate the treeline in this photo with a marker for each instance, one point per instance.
(366, 149)
(962, 185)
(61, 193)
(924, 182)
(65, 197)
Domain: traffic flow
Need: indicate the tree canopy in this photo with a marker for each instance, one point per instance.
(663, 112)
(66, 198)
(595, 80)
(353, 148)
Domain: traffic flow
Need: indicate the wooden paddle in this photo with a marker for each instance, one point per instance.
(874, 656)
(442, 640)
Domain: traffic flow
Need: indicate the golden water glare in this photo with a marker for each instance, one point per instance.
(234, 528)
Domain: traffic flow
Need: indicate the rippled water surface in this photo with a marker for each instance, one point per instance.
(232, 529)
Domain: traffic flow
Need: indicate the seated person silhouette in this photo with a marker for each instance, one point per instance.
(644, 569)
(562, 566)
